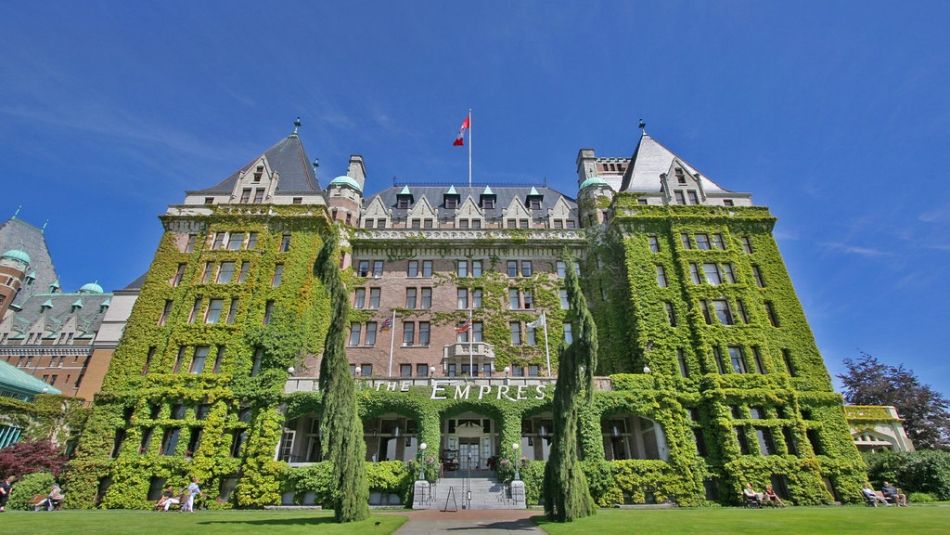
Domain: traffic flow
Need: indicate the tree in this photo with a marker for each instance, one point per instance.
(27, 457)
(566, 493)
(341, 430)
(869, 381)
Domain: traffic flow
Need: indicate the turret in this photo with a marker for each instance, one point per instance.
(13, 268)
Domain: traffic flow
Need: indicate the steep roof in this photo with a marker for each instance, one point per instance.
(503, 194)
(650, 160)
(55, 311)
(18, 234)
(15, 380)
(288, 158)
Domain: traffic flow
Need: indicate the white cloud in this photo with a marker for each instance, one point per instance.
(855, 249)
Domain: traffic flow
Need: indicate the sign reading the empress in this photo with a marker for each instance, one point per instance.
(440, 390)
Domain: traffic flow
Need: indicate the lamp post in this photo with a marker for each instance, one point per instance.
(422, 451)
(517, 460)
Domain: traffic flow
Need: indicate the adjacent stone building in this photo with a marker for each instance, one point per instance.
(709, 376)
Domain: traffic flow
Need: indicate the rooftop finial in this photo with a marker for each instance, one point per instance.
(316, 163)
(643, 127)
(43, 230)
(17, 211)
(296, 127)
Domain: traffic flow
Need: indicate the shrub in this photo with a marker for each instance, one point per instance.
(27, 457)
(29, 486)
(921, 471)
(920, 497)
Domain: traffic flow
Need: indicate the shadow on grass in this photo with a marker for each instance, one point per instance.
(504, 525)
(297, 521)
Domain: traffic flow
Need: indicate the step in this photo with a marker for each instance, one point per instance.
(486, 493)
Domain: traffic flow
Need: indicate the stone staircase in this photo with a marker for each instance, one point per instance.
(486, 493)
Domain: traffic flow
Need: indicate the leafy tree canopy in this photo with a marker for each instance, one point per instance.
(27, 457)
(869, 381)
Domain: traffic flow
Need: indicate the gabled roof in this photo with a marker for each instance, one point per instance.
(288, 158)
(650, 160)
(18, 234)
(18, 381)
(504, 195)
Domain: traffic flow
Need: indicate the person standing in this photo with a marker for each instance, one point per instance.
(193, 490)
(5, 487)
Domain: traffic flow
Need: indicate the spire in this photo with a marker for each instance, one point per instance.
(643, 127)
(17, 211)
(43, 230)
(296, 127)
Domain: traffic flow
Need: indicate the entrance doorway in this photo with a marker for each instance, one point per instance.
(469, 442)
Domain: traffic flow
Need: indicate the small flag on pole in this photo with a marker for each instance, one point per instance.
(460, 140)
(464, 327)
(538, 322)
(387, 324)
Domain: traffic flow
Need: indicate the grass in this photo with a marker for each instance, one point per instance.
(858, 520)
(204, 522)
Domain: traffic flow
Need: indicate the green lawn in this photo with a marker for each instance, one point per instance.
(858, 520)
(203, 522)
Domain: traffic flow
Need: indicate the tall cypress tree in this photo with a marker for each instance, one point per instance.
(341, 431)
(566, 494)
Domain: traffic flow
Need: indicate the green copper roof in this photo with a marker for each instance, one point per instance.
(77, 303)
(47, 304)
(91, 287)
(533, 192)
(16, 254)
(21, 382)
(487, 191)
(451, 191)
(346, 181)
(54, 284)
(405, 191)
(594, 181)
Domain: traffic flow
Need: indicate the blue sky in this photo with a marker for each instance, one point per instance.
(834, 114)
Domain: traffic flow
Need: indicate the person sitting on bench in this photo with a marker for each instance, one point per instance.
(892, 493)
(751, 496)
(772, 498)
(871, 497)
(53, 500)
(168, 499)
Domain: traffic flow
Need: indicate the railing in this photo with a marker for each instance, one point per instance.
(463, 349)
(403, 384)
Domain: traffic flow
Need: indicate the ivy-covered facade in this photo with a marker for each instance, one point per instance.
(708, 374)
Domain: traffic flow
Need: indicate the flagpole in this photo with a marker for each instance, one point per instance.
(547, 351)
(392, 340)
(471, 335)
(470, 148)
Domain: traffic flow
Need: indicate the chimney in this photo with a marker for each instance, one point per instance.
(357, 170)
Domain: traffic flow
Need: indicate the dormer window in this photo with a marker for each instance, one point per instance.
(403, 202)
(258, 173)
(533, 200)
(534, 204)
(451, 202)
(680, 176)
(488, 202)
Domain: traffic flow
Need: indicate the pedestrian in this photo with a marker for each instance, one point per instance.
(193, 490)
(5, 487)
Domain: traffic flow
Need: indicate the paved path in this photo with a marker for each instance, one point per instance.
(471, 522)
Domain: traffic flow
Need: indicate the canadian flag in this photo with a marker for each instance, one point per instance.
(460, 140)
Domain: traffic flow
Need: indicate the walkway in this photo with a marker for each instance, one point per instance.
(471, 522)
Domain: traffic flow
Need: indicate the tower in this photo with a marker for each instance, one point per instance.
(13, 270)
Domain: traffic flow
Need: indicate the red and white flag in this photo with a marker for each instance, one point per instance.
(460, 140)
(465, 327)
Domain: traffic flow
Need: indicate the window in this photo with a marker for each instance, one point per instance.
(515, 328)
(563, 295)
(179, 274)
(512, 266)
(218, 242)
(561, 269)
(694, 273)
(268, 311)
(680, 177)
(278, 276)
(178, 359)
(427, 269)
(737, 359)
(757, 357)
(661, 277)
(245, 269)
(787, 359)
(422, 370)
(363, 268)
(208, 272)
(728, 202)
(568, 333)
(412, 268)
(225, 273)
(723, 313)
(670, 313)
(374, 298)
(359, 298)
(408, 333)
(704, 306)
(526, 268)
(717, 242)
(427, 298)
(170, 440)
(380, 223)
(766, 444)
(681, 359)
(148, 359)
(702, 242)
(416, 223)
(218, 359)
(285, 243)
(693, 197)
(728, 275)
(199, 358)
(166, 311)
(476, 268)
(747, 245)
(370, 334)
(770, 312)
(742, 311)
(757, 275)
(717, 355)
(368, 223)
(463, 224)
(424, 333)
(190, 245)
(477, 298)
(258, 362)
(411, 297)
(712, 274)
(684, 237)
(213, 315)
(514, 301)
(680, 198)
(402, 202)
(512, 223)
(790, 443)
(194, 310)
(251, 241)
(530, 335)
(528, 299)
(235, 241)
(654, 244)
(462, 295)
(476, 224)
(354, 334)
(405, 370)
(377, 269)
(488, 203)
(462, 268)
